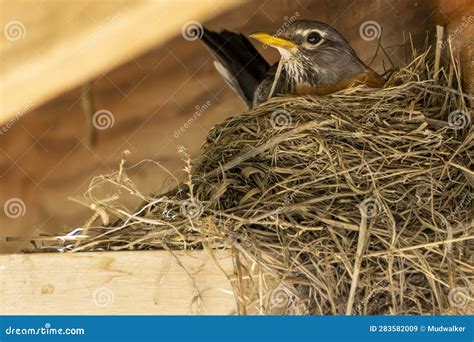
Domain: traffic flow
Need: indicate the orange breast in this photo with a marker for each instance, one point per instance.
(368, 78)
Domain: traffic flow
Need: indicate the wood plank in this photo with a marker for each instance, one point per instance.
(115, 283)
(56, 45)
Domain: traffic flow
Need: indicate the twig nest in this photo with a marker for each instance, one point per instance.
(357, 202)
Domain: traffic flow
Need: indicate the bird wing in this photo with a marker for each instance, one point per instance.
(237, 60)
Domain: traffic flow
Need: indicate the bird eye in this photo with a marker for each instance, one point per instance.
(314, 38)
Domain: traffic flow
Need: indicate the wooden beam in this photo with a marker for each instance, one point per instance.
(49, 47)
(111, 283)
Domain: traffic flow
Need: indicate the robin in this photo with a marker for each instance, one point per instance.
(315, 60)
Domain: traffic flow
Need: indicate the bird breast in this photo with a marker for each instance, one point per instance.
(298, 74)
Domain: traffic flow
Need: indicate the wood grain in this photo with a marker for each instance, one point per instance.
(49, 47)
(115, 283)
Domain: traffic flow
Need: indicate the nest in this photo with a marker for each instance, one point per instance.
(356, 203)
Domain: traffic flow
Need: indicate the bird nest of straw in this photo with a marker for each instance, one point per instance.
(358, 202)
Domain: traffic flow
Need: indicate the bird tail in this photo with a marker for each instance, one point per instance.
(237, 60)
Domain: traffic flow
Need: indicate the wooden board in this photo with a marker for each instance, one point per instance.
(115, 283)
(49, 47)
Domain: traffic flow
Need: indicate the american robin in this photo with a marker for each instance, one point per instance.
(315, 60)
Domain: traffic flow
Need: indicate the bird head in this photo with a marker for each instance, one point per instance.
(313, 52)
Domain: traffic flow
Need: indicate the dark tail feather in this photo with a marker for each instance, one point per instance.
(242, 67)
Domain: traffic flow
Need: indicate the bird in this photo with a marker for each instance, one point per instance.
(315, 59)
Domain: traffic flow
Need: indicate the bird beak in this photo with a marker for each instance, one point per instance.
(267, 39)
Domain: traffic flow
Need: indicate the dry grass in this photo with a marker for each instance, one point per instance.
(354, 203)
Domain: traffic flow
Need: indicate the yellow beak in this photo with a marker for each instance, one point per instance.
(267, 39)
